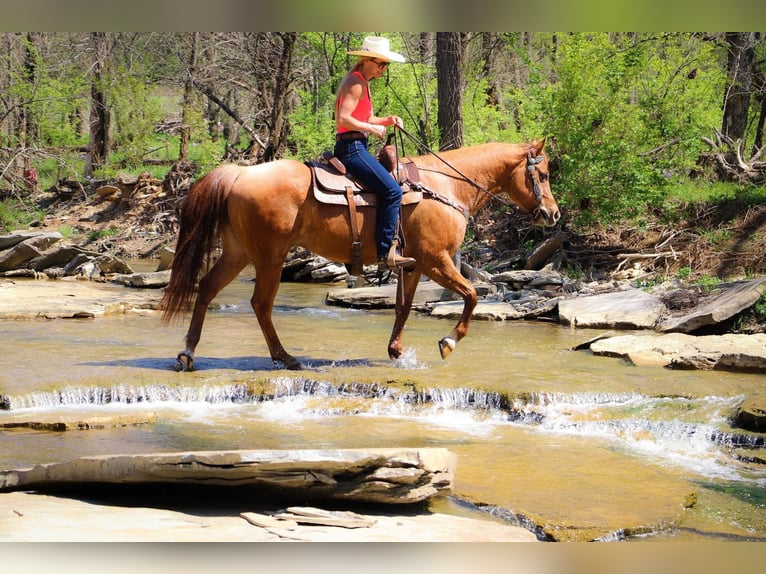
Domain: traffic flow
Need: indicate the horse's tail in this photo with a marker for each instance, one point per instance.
(202, 212)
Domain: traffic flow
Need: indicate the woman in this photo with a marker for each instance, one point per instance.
(355, 120)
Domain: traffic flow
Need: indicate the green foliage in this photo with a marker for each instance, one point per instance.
(96, 234)
(135, 112)
(15, 215)
(618, 100)
(684, 273)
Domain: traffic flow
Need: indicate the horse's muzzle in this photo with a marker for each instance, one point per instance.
(545, 217)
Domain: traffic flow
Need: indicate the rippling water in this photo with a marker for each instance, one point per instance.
(542, 432)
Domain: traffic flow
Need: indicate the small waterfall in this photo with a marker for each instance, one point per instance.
(693, 432)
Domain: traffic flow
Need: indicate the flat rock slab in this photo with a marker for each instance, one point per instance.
(27, 517)
(384, 297)
(630, 309)
(484, 311)
(389, 476)
(72, 421)
(67, 299)
(732, 352)
(718, 309)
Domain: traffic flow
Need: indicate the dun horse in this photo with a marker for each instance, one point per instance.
(259, 212)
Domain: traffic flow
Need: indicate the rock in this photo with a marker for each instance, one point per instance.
(751, 413)
(544, 251)
(48, 238)
(484, 311)
(36, 517)
(729, 352)
(67, 422)
(152, 280)
(332, 474)
(384, 297)
(166, 259)
(523, 276)
(67, 298)
(18, 255)
(722, 307)
(629, 309)
(59, 256)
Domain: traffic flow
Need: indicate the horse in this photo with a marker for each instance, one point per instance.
(257, 213)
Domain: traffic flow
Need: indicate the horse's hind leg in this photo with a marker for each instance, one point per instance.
(267, 279)
(223, 272)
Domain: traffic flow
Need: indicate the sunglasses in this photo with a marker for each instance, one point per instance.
(381, 65)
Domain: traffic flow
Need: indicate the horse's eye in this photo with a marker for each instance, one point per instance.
(543, 176)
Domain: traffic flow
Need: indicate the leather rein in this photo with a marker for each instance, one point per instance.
(532, 163)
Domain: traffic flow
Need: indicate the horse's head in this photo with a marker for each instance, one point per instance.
(531, 186)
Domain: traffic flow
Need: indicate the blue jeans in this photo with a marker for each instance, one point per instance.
(368, 171)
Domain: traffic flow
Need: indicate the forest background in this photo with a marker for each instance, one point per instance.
(655, 140)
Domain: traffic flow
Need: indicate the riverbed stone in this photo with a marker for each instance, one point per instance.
(69, 298)
(484, 311)
(373, 476)
(149, 280)
(627, 309)
(19, 254)
(73, 421)
(729, 302)
(38, 517)
(730, 352)
(8, 240)
(751, 413)
(384, 297)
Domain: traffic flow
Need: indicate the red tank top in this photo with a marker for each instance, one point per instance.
(363, 108)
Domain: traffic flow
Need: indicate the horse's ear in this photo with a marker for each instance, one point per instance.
(540, 145)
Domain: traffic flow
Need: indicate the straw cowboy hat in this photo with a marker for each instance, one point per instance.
(377, 47)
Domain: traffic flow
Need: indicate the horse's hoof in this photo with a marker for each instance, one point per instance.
(291, 364)
(184, 362)
(446, 346)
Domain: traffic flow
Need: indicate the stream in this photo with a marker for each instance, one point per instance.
(570, 445)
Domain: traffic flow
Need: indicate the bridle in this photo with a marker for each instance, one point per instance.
(532, 162)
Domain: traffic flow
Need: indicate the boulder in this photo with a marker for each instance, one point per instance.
(751, 413)
(18, 255)
(15, 237)
(628, 309)
(730, 352)
(720, 308)
(150, 280)
(484, 311)
(388, 475)
(384, 297)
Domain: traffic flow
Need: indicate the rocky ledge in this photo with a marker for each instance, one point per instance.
(385, 476)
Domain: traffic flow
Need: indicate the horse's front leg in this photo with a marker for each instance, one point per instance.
(406, 286)
(265, 292)
(450, 278)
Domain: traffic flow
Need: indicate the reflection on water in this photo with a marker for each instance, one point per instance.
(528, 417)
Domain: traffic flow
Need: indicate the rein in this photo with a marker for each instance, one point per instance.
(531, 165)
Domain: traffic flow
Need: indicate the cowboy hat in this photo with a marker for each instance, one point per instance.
(377, 47)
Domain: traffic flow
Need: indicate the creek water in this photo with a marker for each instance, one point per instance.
(546, 437)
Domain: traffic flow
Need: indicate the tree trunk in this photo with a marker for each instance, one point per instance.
(449, 77)
(494, 94)
(736, 103)
(99, 112)
(282, 81)
(191, 74)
